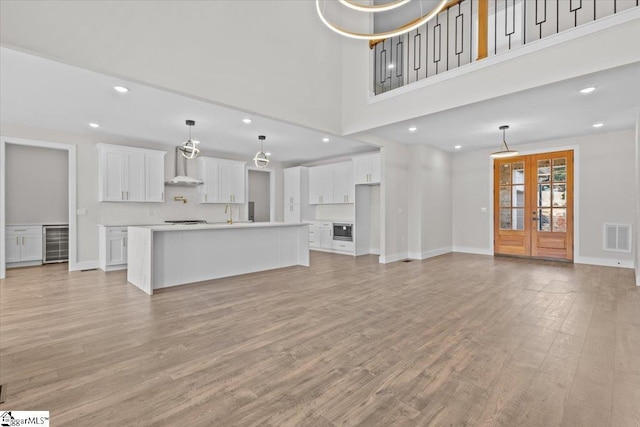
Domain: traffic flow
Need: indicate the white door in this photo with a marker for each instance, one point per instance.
(154, 182)
(292, 186)
(224, 179)
(31, 247)
(327, 184)
(135, 177)
(113, 184)
(292, 213)
(117, 250)
(237, 183)
(315, 185)
(326, 237)
(12, 244)
(343, 187)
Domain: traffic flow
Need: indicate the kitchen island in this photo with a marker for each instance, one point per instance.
(161, 256)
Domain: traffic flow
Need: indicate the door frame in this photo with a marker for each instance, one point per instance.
(272, 191)
(71, 150)
(576, 196)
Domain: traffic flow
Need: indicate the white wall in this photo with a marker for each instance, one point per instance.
(273, 58)
(259, 193)
(37, 186)
(523, 69)
(637, 193)
(605, 170)
(374, 219)
(133, 213)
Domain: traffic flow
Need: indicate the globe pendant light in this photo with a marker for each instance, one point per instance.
(188, 148)
(504, 149)
(261, 160)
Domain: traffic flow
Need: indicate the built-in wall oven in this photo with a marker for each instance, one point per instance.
(342, 231)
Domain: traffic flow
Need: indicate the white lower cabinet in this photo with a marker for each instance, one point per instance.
(23, 245)
(321, 238)
(113, 247)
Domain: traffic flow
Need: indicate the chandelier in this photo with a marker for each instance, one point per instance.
(261, 160)
(188, 148)
(386, 7)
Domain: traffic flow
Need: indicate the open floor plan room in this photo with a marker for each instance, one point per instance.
(457, 339)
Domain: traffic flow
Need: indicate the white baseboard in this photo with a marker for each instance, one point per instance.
(386, 259)
(430, 254)
(468, 250)
(605, 262)
(84, 265)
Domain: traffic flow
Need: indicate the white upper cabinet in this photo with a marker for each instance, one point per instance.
(208, 174)
(344, 191)
(224, 180)
(331, 184)
(367, 169)
(128, 174)
(292, 180)
(321, 185)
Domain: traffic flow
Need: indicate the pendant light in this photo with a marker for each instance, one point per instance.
(504, 149)
(261, 160)
(188, 148)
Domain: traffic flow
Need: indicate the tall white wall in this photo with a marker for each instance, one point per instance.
(273, 58)
(259, 193)
(604, 172)
(581, 51)
(133, 213)
(37, 189)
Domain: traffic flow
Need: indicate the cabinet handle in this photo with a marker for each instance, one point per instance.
(127, 195)
(122, 195)
(290, 199)
(18, 240)
(22, 240)
(125, 242)
(205, 197)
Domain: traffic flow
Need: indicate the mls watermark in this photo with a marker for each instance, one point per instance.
(24, 418)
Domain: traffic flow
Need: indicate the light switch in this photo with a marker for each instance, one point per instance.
(483, 209)
(82, 211)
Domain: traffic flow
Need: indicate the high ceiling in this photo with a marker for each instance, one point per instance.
(42, 93)
(46, 94)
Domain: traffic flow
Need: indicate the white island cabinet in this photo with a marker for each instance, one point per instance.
(169, 255)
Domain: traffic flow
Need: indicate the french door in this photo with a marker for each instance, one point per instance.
(533, 205)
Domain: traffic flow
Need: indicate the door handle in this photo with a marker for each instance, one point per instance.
(535, 218)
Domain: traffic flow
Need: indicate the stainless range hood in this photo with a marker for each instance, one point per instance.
(182, 179)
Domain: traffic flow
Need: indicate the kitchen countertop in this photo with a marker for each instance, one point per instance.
(218, 226)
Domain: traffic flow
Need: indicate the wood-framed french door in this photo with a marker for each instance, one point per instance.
(533, 205)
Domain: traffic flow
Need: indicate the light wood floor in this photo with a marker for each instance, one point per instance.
(457, 340)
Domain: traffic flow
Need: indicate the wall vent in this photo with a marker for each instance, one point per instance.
(617, 237)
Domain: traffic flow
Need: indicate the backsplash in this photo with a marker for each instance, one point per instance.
(114, 213)
(342, 212)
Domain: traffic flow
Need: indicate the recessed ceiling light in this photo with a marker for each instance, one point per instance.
(457, 147)
(94, 125)
(391, 66)
(268, 154)
(325, 139)
(598, 125)
(246, 121)
(588, 89)
(413, 129)
(121, 89)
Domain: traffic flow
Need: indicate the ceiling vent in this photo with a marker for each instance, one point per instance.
(617, 237)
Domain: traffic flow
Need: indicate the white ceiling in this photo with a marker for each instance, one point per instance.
(47, 94)
(545, 113)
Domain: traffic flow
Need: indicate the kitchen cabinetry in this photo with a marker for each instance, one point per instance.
(128, 174)
(344, 191)
(367, 169)
(296, 195)
(224, 181)
(331, 184)
(23, 244)
(113, 242)
(321, 235)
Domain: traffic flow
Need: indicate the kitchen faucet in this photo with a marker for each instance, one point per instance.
(228, 208)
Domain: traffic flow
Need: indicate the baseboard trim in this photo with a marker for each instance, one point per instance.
(605, 262)
(386, 259)
(430, 254)
(84, 265)
(469, 250)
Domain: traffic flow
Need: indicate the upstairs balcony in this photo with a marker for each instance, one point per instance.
(467, 31)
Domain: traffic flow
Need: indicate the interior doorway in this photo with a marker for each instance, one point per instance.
(533, 205)
(259, 197)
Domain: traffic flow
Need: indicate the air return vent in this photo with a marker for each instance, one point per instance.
(617, 237)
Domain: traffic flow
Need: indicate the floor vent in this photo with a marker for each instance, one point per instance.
(617, 237)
